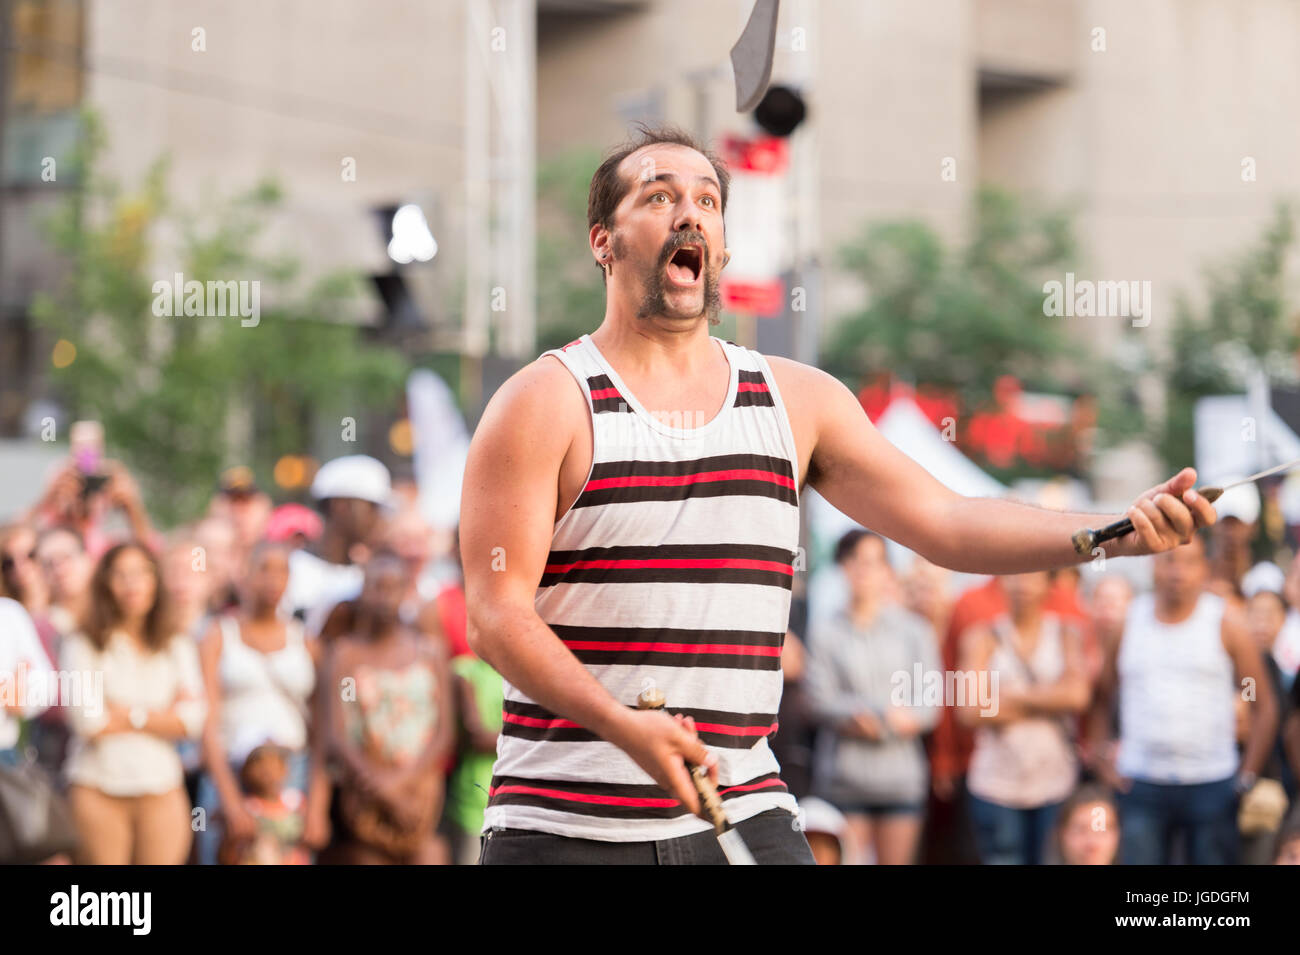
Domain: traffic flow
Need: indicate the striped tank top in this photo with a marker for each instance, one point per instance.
(672, 569)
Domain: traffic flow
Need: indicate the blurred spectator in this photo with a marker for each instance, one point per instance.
(385, 724)
(825, 828)
(925, 593)
(1263, 809)
(19, 570)
(351, 492)
(85, 500)
(294, 525)
(1291, 732)
(259, 672)
(1023, 765)
(61, 554)
(187, 583)
(1287, 848)
(1108, 606)
(863, 671)
(1286, 650)
(408, 535)
(125, 776)
(450, 602)
(1230, 540)
(480, 693)
(274, 809)
(23, 665)
(948, 837)
(217, 559)
(1087, 831)
(66, 569)
(1178, 670)
(245, 507)
(1266, 612)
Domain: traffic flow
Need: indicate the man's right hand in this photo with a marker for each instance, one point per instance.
(662, 745)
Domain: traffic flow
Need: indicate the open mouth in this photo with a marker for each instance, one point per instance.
(686, 264)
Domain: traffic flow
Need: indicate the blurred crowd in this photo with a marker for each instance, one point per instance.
(163, 693)
(1051, 717)
(162, 698)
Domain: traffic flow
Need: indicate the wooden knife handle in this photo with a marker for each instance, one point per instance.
(653, 699)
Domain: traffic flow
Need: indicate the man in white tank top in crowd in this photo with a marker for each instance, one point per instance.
(630, 520)
(1179, 667)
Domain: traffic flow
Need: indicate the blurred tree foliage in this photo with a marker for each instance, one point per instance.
(182, 397)
(570, 293)
(957, 319)
(1245, 323)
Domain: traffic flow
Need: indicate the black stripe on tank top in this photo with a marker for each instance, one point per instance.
(721, 475)
(604, 396)
(650, 646)
(715, 727)
(672, 563)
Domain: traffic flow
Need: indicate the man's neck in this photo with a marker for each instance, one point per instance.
(649, 344)
(1171, 609)
(333, 548)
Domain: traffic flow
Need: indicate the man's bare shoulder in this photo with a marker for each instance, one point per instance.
(542, 393)
(799, 374)
(806, 390)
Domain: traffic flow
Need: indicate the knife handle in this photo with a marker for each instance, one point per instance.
(653, 699)
(1087, 540)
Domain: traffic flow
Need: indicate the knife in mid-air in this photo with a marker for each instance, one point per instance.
(751, 57)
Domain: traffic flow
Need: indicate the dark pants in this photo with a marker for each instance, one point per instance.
(1007, 836)
(1152, 815)
(773, 837)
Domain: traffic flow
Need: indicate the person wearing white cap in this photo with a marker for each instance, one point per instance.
(1230, 538)
(352, 493)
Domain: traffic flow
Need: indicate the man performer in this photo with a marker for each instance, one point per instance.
(640, 530)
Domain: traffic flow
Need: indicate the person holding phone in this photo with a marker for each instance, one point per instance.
(88, 487)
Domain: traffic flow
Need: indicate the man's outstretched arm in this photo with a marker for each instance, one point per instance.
(858, 470)
(507, 517)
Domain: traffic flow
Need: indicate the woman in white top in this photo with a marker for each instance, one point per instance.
(135, 691)
(24, 676)
(1023, 766)
(259, 672)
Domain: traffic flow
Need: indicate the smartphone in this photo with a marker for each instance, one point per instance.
(86, 441)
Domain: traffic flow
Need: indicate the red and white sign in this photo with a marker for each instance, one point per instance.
(756, 225)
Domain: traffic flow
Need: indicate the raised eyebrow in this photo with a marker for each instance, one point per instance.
(672, 177)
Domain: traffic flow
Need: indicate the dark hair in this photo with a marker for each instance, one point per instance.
(608, 187)
(847, 544)
(1085, 795)
(104, 613)
(259, 753)
(9, 585)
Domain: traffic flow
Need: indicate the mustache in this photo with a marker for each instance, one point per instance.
(679, 239)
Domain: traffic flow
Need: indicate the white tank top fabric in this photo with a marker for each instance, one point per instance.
(1177, 695)
(263, 695)
(1028, 763)
(672, 569)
